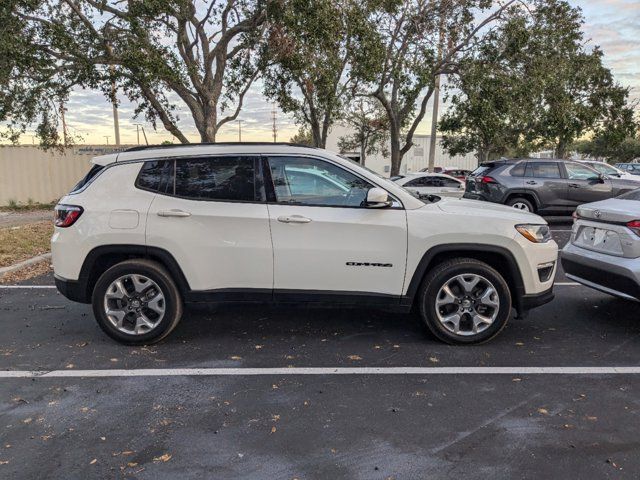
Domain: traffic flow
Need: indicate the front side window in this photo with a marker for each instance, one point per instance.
(603, 168)
(217, 178)
(543, 170)
(575, 171)
(313, 182)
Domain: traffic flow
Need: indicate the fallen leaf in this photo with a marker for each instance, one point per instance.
(516, 379)
(543, 411)
(273, 429)
(519, 344)
(354, 357)
(258, 347)
(592, 419)
(162, 458)
(4, 462)
(93, 461)
(27, 420)
(132, 464)
(113, 360)
(433, 359)
(71, 365)
(235, 357)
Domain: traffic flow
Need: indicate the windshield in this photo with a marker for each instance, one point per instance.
(604, 168)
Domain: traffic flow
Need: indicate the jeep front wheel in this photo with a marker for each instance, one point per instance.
(136, 302)
(464, 301)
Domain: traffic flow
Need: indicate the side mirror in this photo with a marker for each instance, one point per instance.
(378, 198)
(602, 177)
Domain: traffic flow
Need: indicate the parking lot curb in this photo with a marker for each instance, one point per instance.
(25, 263)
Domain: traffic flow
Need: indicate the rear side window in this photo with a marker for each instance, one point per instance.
(518, 170)
(217, 178)
(543, 170)
(156, 176)
(91, 174)
(420, 182)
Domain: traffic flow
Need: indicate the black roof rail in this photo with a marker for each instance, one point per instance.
(183, 145)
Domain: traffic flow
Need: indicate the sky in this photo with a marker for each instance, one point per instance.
(614, 25)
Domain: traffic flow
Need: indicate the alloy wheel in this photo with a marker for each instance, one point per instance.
(134, 304)
(467, 304)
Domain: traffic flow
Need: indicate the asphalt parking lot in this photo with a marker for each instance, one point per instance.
(89, 412)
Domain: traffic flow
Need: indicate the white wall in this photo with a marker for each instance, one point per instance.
(416, 159)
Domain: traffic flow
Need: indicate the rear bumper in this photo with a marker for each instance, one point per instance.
(616, 276)
(474, 196)
(72, 289)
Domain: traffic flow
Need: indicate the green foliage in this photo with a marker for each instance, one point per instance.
(156, 52)
(311, 45)
(624, 151)
(302, 137)
(534, 83)
(370, 128)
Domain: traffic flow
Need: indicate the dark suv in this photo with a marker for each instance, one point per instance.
(545, 186)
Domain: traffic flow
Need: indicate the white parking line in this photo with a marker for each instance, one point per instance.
(175, 372)
(11, 287)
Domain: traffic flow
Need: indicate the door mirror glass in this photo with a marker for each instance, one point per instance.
(378, 198)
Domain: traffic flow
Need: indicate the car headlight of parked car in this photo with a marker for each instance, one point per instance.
(535, 233)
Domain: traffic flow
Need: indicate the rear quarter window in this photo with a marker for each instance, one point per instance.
(88, 178)
(156, 176)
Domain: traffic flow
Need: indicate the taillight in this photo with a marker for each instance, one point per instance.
(634, 225)
(487, 179)
(66, 215)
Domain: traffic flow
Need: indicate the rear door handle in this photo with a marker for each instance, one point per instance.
(574, 185)
(173, 213)
(531, 182)
(294, 219)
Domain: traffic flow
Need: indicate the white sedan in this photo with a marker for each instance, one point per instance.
(423, 183)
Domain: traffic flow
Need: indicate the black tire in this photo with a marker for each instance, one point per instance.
(446, 271)
(522, 202)
(158, 274)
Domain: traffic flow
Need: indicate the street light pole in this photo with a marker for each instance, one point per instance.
(107, 137)
(239, 130)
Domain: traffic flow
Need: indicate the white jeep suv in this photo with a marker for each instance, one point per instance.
(152, 228)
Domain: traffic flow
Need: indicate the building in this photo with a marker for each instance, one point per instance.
(415, 159)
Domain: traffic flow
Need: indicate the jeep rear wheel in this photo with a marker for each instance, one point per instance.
(464, 301)
(136, 302)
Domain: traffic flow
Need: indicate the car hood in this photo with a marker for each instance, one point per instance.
(488, 210)
(611, 210)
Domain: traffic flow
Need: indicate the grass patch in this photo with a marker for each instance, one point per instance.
(23, 242)
(26, 207)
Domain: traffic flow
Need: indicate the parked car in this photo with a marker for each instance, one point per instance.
(150, 229)
(459, 173)
(632, 168)
(607, 169)
(544, 186)
(432, 184)
(604, 251)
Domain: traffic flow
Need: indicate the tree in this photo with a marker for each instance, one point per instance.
(625, 151)
(370, 130)
(155, 52)
(302, 137)
(533, 83)
(418, 40)
(311, 43)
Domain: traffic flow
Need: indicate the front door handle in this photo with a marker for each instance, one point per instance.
(294, 219)
(574, 185)
(173, 213)
(531, 182)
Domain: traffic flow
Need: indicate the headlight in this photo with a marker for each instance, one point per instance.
(535, 233)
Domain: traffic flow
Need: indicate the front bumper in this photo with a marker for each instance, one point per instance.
(536, 300)
(610, 274)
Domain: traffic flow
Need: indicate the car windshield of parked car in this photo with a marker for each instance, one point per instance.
(606, 169)
(576, 171)
(632, 195)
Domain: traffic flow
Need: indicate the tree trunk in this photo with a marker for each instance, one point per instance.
(363, 153)
(396, 154)
(561, 149)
